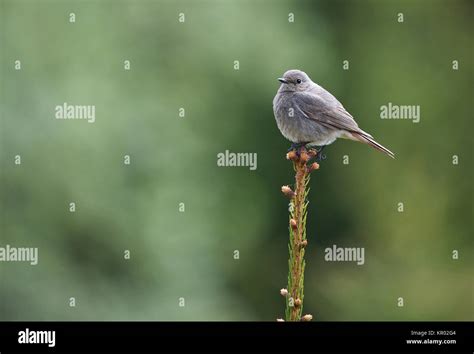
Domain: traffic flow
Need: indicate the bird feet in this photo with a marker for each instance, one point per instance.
(296, 147)
(300, 147)
(320, 156)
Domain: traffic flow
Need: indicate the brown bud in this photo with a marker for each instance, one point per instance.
(280, 320)
(293, 224)
(304, 243)
(314, 166)
(291, 155)
(286, 190)
(284, 292)
(297, 302)
(312, 153)
(304, 157)
(306, 318)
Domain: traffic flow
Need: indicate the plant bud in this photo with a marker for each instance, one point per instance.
(312, 153)
(293, 224)
(314, 166)
(286, 190)
(291, 155)
(304, 157)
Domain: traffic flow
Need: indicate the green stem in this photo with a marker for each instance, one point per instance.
(298, 212)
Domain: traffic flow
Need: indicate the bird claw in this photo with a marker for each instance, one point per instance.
(297, 147)
(320, 156)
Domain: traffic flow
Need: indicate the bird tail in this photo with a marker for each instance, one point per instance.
(369, 140)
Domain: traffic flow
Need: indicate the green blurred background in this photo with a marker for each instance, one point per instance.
(190, 254)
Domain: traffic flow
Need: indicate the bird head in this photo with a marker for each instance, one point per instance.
(295, 80)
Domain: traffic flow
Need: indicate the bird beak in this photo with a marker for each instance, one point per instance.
(282, 80)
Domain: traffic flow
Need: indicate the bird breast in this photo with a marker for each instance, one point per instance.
(296, 126)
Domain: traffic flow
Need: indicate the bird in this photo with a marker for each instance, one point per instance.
(308, 115)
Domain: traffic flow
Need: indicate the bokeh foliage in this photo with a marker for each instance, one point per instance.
(191, 65)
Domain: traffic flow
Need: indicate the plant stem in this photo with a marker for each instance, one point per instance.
(298, 242)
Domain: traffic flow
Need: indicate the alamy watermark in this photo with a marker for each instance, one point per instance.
(237, 159)
(393, 111)
(68, 111)
(345, 254)
(19, 254)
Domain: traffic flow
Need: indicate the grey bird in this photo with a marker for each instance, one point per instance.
(307, 114)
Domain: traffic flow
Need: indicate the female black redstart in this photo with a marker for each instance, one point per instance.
(307, 114)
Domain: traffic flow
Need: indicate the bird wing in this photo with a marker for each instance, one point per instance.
(326, 110)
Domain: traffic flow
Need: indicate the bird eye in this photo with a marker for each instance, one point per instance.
(298, 81)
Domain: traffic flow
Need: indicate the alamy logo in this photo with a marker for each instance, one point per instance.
(37, 337)
(393, 111)
(345, 254)
(67, 111)
(232, 159)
